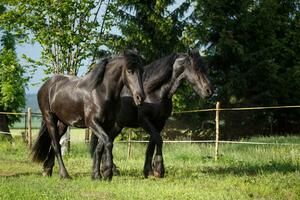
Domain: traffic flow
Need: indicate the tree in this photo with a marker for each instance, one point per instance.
(149, 26)
(69, 32)
(254, 56)
(12, 80)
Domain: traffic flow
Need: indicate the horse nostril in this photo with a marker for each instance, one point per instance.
(139, 98)
(209, 92)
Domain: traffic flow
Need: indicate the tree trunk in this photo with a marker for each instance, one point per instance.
(4, 129)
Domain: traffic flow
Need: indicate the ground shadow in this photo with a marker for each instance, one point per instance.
(18, 175)
(239, 169)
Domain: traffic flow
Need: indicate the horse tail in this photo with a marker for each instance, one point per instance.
(42, 145)
(93, 144)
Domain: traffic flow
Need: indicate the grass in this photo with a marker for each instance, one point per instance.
(242, 172)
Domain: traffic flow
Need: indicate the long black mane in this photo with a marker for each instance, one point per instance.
(158, 72)
(95, 76)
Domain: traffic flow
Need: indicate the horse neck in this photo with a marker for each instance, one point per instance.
(95, 76)
(113, 82)
(169, 89)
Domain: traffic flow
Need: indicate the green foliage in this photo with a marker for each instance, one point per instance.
(12, 80)
(148, 26)
(254, 54)
(12, 84)
(69, 32)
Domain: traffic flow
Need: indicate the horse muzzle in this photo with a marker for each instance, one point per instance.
(208, 92)
(138, 98)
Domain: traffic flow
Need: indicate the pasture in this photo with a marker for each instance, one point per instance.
(242, 172)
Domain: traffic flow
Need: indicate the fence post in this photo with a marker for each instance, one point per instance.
(29, 125)
(87, 135)
(129, 146)
(217, 130)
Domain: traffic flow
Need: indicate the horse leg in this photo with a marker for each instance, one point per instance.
(51, 123)
(113, 134)
(96, 160)
(158, 162)
(155, 139)
(104, 146)
(49, 162)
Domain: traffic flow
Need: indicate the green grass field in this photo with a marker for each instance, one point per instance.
(242, 172)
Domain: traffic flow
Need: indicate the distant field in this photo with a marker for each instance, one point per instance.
(243, 172)
(77, 135)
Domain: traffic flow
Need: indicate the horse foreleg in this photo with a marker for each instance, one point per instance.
(155, 140)
(113, 134)
(51, 123)
(96, 161)
(104, 146)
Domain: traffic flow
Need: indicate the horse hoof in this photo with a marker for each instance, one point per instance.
(66, 177)
(107, 175)
(158, 174)
(96, 178)
(148, 174)
(116, 171)
(158, 167)
(47, 173)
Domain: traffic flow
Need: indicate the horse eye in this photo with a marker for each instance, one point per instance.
(130, 71)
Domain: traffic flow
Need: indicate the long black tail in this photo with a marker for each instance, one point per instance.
(42, 145)
(93, 144)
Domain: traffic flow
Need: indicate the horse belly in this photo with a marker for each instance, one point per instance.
(69, 111)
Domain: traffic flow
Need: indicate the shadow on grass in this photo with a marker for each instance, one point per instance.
(238, 169)
(18, 175)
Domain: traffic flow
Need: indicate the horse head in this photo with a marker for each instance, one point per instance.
(132, 75)
(193, 68)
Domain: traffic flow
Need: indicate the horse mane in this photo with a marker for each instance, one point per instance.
(95, 76)
(132, 58)
(158, 72)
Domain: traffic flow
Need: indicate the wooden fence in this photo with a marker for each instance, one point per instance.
(217, 111)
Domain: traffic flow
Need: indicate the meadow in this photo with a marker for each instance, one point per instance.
(242, 172)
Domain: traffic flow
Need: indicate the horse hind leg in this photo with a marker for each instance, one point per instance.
(49, 162)
(51, 122)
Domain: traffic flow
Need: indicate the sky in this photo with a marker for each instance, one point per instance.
(34, 51)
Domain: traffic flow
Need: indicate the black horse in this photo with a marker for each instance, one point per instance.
(91, 101)
(161, 80)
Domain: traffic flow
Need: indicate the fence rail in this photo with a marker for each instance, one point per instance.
(213, 141)
(217, 110)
